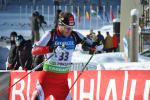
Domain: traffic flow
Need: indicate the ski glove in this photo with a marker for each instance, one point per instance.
(41, 50)
(25, 69)
(9, 67)
(97, 48)
(93, 49)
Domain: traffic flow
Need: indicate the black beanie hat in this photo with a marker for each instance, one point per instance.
(20, 37)
(13, 34)
(36, 13)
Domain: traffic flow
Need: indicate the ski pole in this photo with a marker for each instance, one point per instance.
(5, 90)
(82, 71)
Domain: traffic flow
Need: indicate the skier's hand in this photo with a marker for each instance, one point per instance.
(25, 69)
(93, 49)
(41, 50)
(9, 67)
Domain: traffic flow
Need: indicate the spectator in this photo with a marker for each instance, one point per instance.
(108, 43)
(115, 42)
(36, 23)
(22, 55)
(100, 40)
(13, 36)
(93, 35)
(35, 27)
(12, 52)
(93, 38)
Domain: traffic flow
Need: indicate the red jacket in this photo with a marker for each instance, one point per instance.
(115, 41)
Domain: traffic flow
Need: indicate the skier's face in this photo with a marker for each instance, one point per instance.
(65, 30)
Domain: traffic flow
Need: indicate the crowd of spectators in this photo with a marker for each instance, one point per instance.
(109, 43)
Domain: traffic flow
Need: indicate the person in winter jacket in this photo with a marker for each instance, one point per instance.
(115, 42)
(59, 45)
(36, 23)
(13, 36)
(100, 41)
(108, 43)
(100, 38)
(35, 27)
(22, 56)
(12, 51)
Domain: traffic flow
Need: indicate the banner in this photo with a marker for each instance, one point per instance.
(92, 85)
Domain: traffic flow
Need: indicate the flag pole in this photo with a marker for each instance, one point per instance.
(103, 14)
(78, 12)
(97, 17)
(118, 11)
(84, 17)
(90, 16)
(110, 14)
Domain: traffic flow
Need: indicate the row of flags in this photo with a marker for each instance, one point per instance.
(100, 14)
